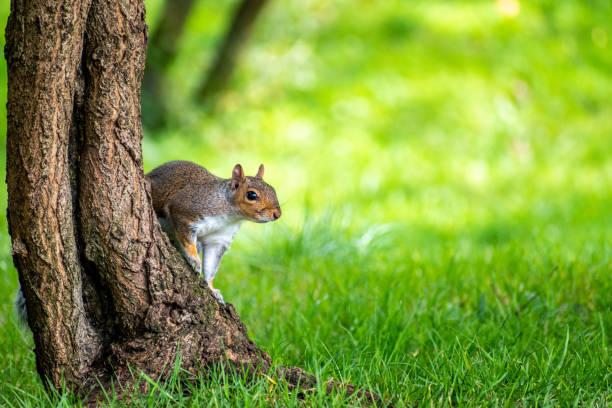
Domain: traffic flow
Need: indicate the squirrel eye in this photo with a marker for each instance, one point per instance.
(251, 195)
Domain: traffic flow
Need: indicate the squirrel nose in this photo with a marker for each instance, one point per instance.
(276, 214)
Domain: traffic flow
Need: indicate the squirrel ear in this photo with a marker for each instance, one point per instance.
(237, 176)
(260, 171)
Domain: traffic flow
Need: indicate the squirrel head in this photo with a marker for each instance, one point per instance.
(255, 199)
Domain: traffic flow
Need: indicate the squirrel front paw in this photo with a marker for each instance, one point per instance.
(218, 295)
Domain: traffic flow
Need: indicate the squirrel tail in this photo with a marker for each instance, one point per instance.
(21, 308)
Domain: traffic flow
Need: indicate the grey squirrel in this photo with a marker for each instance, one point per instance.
(201, 213)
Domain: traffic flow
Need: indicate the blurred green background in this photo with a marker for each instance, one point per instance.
(442, 115)
(445, 174)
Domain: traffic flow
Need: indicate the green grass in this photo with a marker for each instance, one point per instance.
(419, 319)
(445, 174)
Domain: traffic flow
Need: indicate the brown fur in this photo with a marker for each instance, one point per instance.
(184, 193)
(189, 192)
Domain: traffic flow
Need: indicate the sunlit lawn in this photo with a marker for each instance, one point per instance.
(445, 173)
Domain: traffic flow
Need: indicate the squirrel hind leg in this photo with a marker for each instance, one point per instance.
(189, 249)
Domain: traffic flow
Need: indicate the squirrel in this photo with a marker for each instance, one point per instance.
(201, 213)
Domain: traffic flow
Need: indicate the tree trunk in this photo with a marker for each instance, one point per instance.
(161, 52)
(105, 290)
(103, 286)
(241, 24)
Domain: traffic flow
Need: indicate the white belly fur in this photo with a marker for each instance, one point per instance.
(218, 229)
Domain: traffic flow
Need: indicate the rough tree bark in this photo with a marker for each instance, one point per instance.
(104, 288)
